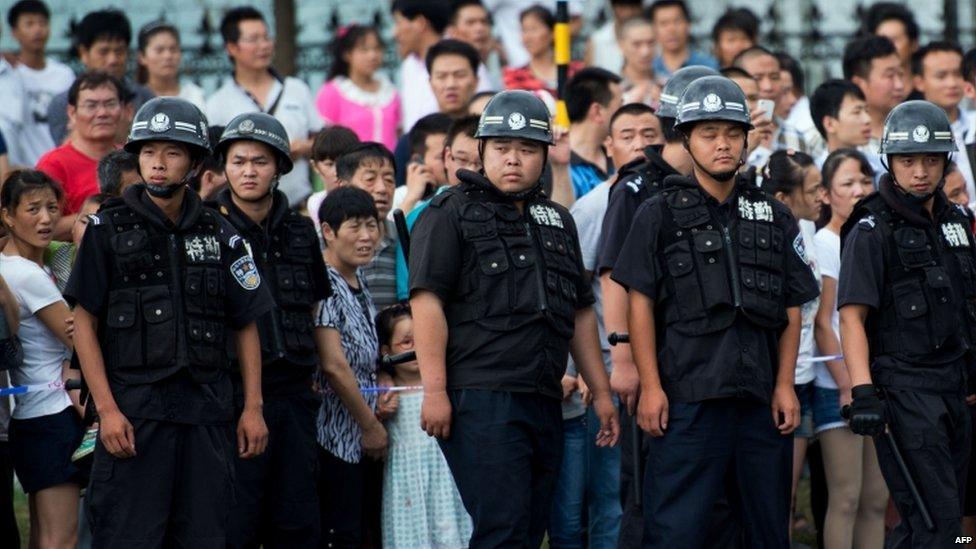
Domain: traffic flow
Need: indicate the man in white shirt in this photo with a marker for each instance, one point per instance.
(42, 77)
(255, 87)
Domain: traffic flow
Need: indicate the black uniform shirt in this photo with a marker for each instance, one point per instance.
(740, 361)
(525, 359)
(636, 182)
(178, 398)
(862, 282)
(287, 375)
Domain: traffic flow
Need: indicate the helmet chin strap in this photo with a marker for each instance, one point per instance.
(523, 195)
(168, 190)
(725, 176)
(916, 198)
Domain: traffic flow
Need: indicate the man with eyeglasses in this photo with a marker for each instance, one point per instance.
(95, 109)
(254, 86)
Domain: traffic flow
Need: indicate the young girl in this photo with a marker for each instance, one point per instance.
(45, 428)
(857, 492)
(421, 504)
(793, 179)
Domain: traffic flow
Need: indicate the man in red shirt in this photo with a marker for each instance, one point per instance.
(95, 105)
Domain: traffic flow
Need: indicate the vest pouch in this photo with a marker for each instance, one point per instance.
(123, 330)
(159, 342)
(764, 244)
(215, 293)
(298, 244)
(913, 247)
(762, 298)
(133, 252)
(298, 332)
(193, 286)
(968, 274)
(494, 280)
(206, 344)
(913, 334)
(709, 256)
(687, 291)
(478, 222)
(747, 243)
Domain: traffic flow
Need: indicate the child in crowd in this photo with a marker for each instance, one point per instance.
(421, 504)
(329, 145)
(60, 256)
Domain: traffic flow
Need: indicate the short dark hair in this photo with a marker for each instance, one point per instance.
(789, 64)
(110, 170)
(458, 5)
(589, 85)
(344, 203)
(230, 24)
(344, 43)
(631, 109)
(92, 80)
(861, 52)
(349, 162)
(466, 125)
(541, 13)
(661, 4)
(737, 19)
(827, 99)
(886, 11)
(20, 182)
(25, 7)
(749, 53)
(386, 321)
(969, 65)
(432, 124)
(332, 142)
(110, 24)
(918, 58)
(450, 46)
(436, 12)
(735, 72)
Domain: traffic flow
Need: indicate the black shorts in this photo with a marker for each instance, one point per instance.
(41, 449)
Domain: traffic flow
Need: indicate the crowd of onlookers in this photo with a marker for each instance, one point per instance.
(401, 138)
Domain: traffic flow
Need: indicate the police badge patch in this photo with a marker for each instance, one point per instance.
(246, 273)
(159, 123)
(516, 121)
(712, 103)
(920, 134)
(246, 126)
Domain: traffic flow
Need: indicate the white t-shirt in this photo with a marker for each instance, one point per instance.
(808, 311)
(826, 246)
(606, 49)
(33, 288)
(194, 94)
(13, 113)
(41, 86)
(295, 110)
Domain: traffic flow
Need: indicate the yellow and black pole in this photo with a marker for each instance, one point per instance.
(563, 53)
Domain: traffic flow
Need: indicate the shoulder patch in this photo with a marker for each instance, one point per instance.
(866, 223)
(799, 247)
(635, 184)
(245, 272)
(93, 219)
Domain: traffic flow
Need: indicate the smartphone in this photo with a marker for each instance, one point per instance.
(768, 106)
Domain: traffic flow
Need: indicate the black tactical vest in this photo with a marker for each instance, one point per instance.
(717, 271)
(921, 308)
(166, 305)
(285, 263)
(525, 265)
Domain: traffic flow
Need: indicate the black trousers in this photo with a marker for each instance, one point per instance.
(342, 487)
(277, 501)
(711, 448)
(934, 434)
(176, 491)
(505, 451)
(722, 532)
(9, 536)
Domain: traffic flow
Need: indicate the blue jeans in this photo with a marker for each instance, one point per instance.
(589, 476)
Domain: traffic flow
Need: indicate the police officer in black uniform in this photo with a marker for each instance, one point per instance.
(158, 279)
(500, 299)
(636, 182)
(906, 296)
(277, 503)
(716, 276)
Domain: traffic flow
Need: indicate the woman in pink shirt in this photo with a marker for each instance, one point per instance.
(356, 96)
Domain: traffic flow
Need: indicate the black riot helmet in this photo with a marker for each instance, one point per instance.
(260, 127)
(711, 98)
(170, 119)
(917, 127)
(515, 114)
(675, 87)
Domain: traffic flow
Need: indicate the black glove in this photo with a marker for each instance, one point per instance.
(867, 412)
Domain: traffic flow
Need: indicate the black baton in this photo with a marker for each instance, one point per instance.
(906, 475)
(402, 233)
(613, 339)
(393, 360)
